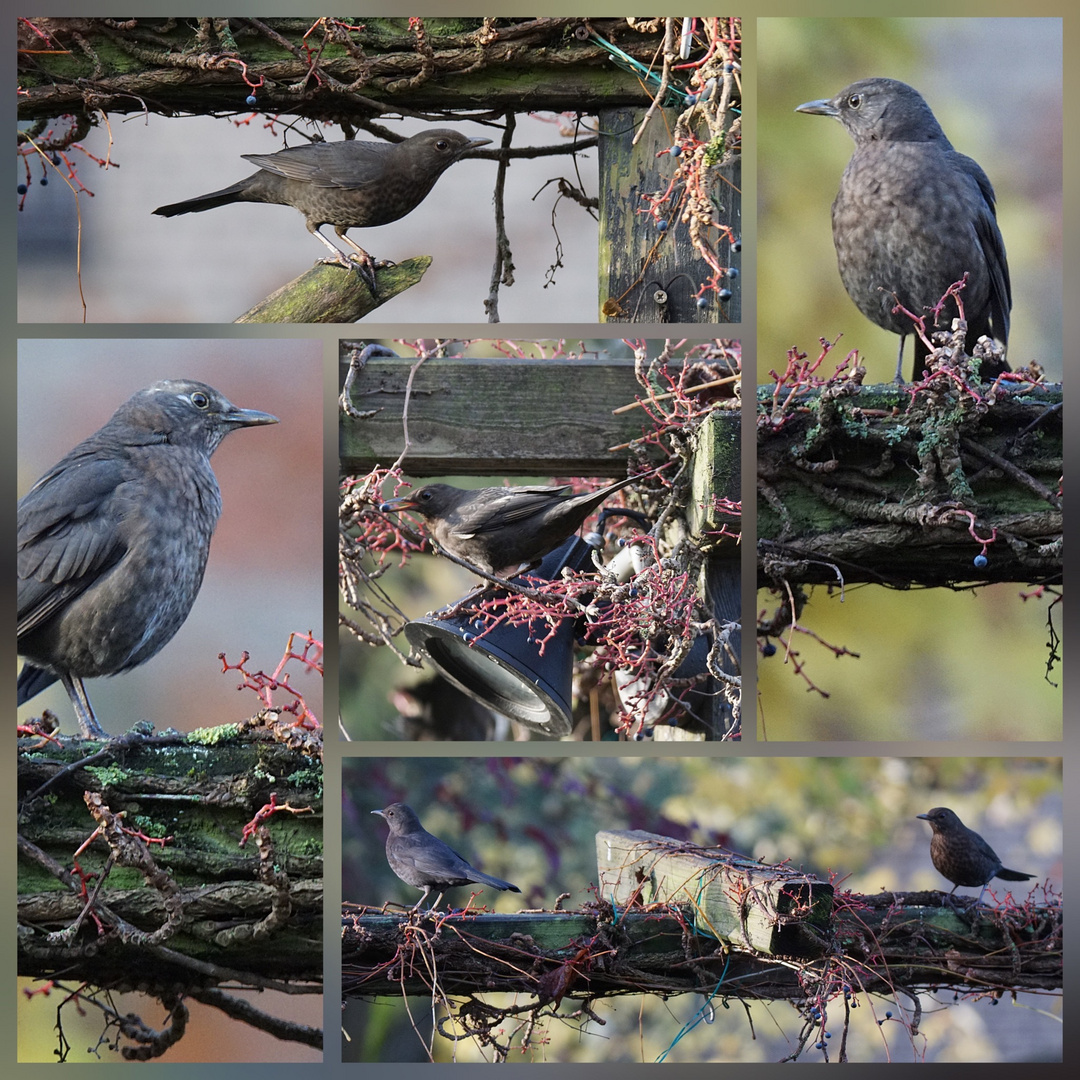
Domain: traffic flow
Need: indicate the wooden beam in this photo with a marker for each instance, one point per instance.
(492, 417)
(885, 485)
(873, 943)
(769, 909)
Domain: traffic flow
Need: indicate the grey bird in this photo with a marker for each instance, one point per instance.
(113, 539)
(501, 528)
(912, 216)
(424, 861)
(350, 185)
(962, 855)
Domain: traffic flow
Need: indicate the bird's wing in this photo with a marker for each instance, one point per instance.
(430, 855)
(67, 534)
(350, 165)
(993, 248)
(518, 504)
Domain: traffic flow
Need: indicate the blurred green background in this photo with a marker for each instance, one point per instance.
(533, 821)
(995, 87)
(931, 664)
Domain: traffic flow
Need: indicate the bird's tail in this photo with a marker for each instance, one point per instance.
(494, 882)
(231, 194)
(1005, 875)
(32, 680)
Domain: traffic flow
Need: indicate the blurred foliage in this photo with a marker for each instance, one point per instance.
(533, 821)
(932, 664)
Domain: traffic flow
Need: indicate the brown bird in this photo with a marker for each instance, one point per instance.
(912, 216)
(499, 529)
(113, 539)
(424, 861)
(350, 185)
(962, 855)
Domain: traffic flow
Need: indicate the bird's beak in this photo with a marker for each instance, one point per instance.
(821, 107)
(405, 502)
(248, 417)
(925, 817)
(380, 813)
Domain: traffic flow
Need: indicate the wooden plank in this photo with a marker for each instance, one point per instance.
(717, 474)
(493, 417)
(770, 909)
(665, 290)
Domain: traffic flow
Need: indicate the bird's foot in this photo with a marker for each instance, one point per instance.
(364, 268)
(91, 729)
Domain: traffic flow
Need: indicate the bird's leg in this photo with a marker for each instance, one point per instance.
(899, 380)
(362, 263)
(340, 258)
(84, 711)
(423, 897)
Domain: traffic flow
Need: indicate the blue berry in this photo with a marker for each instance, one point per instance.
(250, 99)
(44, 181)
(662, 224)
(702, 301)
(736, 244)
(21, 189)
(732, 272)
(725, 294)
(980, 561)
(676, 150)
(769, 649)
(691, 99)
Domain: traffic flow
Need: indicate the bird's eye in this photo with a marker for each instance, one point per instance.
(854, 101)
(442, 144)
(200, 400)
(425, 496)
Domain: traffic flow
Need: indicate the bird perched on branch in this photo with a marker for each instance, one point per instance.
(962, 855)
(350, 185)
(912, 217)
(424, 861)
(500, 528)
(113, 539)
